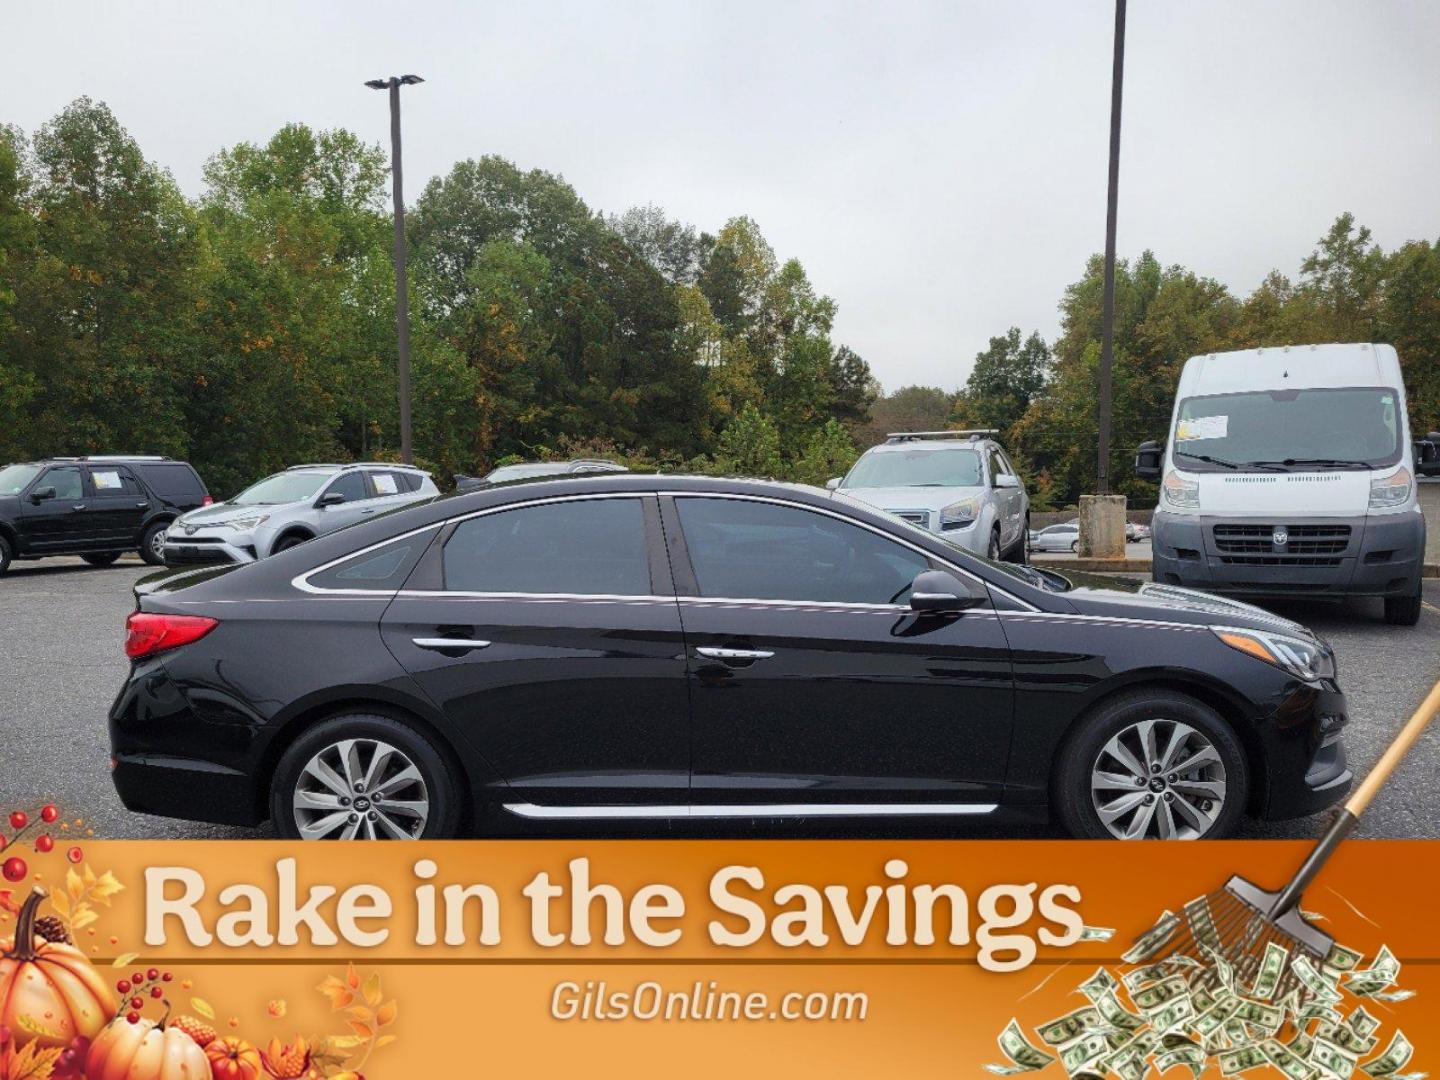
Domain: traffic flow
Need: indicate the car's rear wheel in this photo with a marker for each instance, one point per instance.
(152, 544)
(364, 776)
(1020, 553)
(1403, 610)
(992, 550)
(1151, 765)
(102, 559)
(1075, 546)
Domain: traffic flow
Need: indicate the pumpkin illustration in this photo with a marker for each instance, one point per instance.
(233, 1059)
(145, 1050)
(51, 985)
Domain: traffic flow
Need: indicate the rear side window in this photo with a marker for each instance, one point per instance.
(112, 483)
(172, 479)
(382, 570)
(588, 547)
(386, 483)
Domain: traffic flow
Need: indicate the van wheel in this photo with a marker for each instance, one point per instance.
(6, 554)
(1152, 764)
(152, 544)
(363, 776)
(1403, 610)
(104, 558)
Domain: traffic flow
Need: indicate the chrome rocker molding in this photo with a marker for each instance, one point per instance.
(760, 810)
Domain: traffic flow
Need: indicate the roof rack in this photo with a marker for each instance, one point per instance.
(111, 457)
(967, 434)
(591, 461)
(316, 465)
(387, 465)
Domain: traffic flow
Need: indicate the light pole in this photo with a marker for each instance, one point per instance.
(402, 298)
(1107, 328)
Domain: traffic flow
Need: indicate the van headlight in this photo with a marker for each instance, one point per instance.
(1309, 661)
(1180, 493)
(1391, 491)
(959, 515)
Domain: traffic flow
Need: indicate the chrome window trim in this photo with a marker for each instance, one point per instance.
(758, 810)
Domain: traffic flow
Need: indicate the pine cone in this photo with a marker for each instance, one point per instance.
(52, 929)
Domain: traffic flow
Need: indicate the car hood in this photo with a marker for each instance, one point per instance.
(912, 498)
(1092, 594)
(220, 513)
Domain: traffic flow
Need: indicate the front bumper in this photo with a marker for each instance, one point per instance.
(1366, 555)
(209, 546)
(1307, 768)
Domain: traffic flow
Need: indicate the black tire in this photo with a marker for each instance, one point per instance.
(285, 543)
(994, 550)
(151, 544)
(105, 558)
(1075, 547)
(1082, 752)
(441, 786)
(7, 553)
(1019, 554)
(1403, 610)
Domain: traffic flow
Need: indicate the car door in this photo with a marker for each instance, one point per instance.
(567, 671)
(115, 506)
(814, 687)
(355, 491)
(1008, 509)
(55, 524)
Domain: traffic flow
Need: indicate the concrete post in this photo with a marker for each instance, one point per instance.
(1102, 526)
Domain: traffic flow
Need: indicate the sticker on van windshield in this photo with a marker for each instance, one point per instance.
(1202, 427)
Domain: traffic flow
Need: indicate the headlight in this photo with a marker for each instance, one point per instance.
(1180, 493)
(248, 522)
(960, 514)
(1307, 660)
(1391, 491)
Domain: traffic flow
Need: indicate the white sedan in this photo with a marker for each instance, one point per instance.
(1062, 537)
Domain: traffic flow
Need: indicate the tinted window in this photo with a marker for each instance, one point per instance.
(172, 479)
(761, 551)
(384, 569)
(112, 482)
(591, 547)
(351, 485)
(65, 481)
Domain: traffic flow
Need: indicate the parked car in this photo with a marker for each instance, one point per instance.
(665, 649)
(97, 507)
(532, 470)
(1137, 533)
(1292, 470)
(291, 507)
(959, 484)
(1062, 537)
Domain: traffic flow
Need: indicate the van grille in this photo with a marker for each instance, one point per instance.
(1307, 545)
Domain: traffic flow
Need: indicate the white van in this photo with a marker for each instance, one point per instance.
(1291, 471)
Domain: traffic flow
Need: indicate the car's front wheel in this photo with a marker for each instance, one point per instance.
(1151, 764)
(364, 776)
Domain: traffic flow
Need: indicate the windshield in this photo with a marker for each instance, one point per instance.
(519, 472)
(285, 487)
(15, 478)
(920, 467)
(1351, 427)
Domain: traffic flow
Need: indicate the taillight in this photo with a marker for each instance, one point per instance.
(147, 633)
(207, 500)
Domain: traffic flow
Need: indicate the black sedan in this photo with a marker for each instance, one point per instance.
(666, 649)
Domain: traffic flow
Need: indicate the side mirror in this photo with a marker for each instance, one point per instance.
(1148, 456)
(938, 591)
(333, 498)
(39, 495)
(832, 483)
(1006, 480)
(1427, 455)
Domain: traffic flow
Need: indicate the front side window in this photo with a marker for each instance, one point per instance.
(762, 551)
(351, 485)
(916, 467)
(587, 547)
(65, 481)
(1314, 428)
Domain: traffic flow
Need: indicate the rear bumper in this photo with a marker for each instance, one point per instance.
(168, 787)
(1382, 556)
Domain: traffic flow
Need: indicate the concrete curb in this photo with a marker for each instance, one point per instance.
(1142, 566)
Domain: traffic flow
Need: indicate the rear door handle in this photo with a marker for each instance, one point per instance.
(141, 505)
(443, 644)
(78, 506)
(731, 655)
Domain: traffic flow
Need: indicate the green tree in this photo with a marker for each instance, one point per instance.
(1005, 379)
(749, 445)
(911, 408)
(829, 453)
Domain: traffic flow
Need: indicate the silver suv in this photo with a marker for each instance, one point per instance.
(959, 484)
(293, 506)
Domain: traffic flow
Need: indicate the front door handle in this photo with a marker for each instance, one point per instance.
(77, 506)
(734, 655)
(446, 644)
(141, 505)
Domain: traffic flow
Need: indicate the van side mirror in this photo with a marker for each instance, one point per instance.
(939, 591)
(1427, 455)
(333, 498)
(832, 483)
(1005, 480)
(40, 494)
(1148, 456)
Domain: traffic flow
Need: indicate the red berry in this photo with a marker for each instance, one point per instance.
(166, 977)
(14, 869)
(44, 843)
(2, 843)
(152, 974)
(123, 986)
(133, 1017)
(137, 1003)
(156, 992)
(19, 819)
(138, 978)
(75, 854)
(49, 812)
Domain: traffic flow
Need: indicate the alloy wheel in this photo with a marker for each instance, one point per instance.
(361, 789)
(157, 543)
(1158, 778)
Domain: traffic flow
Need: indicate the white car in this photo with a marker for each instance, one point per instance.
(957, 484)
(1062, 537)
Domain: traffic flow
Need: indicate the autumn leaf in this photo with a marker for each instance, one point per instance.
(203, 1007)
(73, 884)
(105, 887)
(386, 1013)
(124, 959)
(360, 1012)
(35, 1027)
(344, 1042)
(339, 994)
(33, 1063)
(365, 1031)
(352, 977)
(384, 1040)
(372, 989)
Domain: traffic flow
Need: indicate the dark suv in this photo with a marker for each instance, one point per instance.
(95, 507)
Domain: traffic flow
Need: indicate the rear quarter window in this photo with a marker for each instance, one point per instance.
(381, 570)
(171, 479)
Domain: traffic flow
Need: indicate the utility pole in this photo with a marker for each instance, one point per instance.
(402, 295)
(1107, 332)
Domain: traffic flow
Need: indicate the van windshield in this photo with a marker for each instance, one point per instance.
(1323, 428)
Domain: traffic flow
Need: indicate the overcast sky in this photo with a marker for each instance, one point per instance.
(939, 168)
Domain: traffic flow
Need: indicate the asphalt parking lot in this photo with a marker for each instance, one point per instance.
(61, 627)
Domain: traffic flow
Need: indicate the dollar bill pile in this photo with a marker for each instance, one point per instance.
(1196, 1012)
